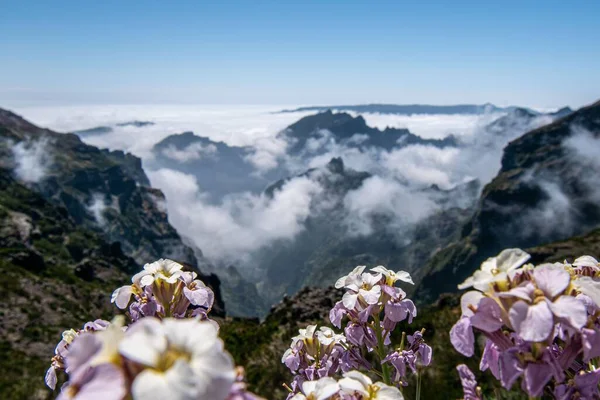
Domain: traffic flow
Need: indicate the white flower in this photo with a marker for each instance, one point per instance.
(356, 383)
(366, 289)
(322, 389)
(392, 277)
(588, 286)
(184, 360)
(327, 336)
(165, 276)
(496, 269)
(351, 278)
(163, 269)
(586, 261)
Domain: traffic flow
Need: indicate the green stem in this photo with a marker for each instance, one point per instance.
(418, 385)
(385, 368)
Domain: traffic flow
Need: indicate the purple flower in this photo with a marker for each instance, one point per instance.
(468, 382)
(420, 348)
(584, 386)
(337, 313)
(400, 360)
(400, 310)
(536, 374)
(361, 335)
(534, 319)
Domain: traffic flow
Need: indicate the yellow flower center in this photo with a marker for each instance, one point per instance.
(373, 391)
(169, 357)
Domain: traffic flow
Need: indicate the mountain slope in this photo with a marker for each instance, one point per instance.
(545, 191)
(102, 190)
(55, 275)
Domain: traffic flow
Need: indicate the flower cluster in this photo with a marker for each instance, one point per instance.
(313, 354)
(541, 324)
(372, 306)
(171, 350)
(162, 290)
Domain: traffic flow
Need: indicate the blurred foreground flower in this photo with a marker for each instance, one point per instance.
(171, 350)
(541, 325)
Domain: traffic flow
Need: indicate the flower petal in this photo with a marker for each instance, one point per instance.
(404, 277)
(144, 342)
(150, 385)
(537, 376)
(586, 261)
(551, 279)
(386, 392)
(532, 322)
(349, 300)
(488, 317)
(462, 338)
(107, 383)
(470, 298)
(571, 310)
(590, 288)
(510, 259)
(121, 296)
(510, 369)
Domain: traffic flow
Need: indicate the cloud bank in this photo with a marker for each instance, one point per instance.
(242, 223)
(230, 228)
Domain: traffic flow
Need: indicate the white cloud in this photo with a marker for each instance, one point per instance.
(242, 223)
(423, 165)
(32, 159)
(96, 207)
(380, 196)
(585, 146)
(266, 153)
(194, 151)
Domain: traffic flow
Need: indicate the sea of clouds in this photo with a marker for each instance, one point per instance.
(230, 228)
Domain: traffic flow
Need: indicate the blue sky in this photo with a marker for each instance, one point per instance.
(543, 54)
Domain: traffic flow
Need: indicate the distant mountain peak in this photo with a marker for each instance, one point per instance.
(410, 109)
(344, 127)
(336, 165)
